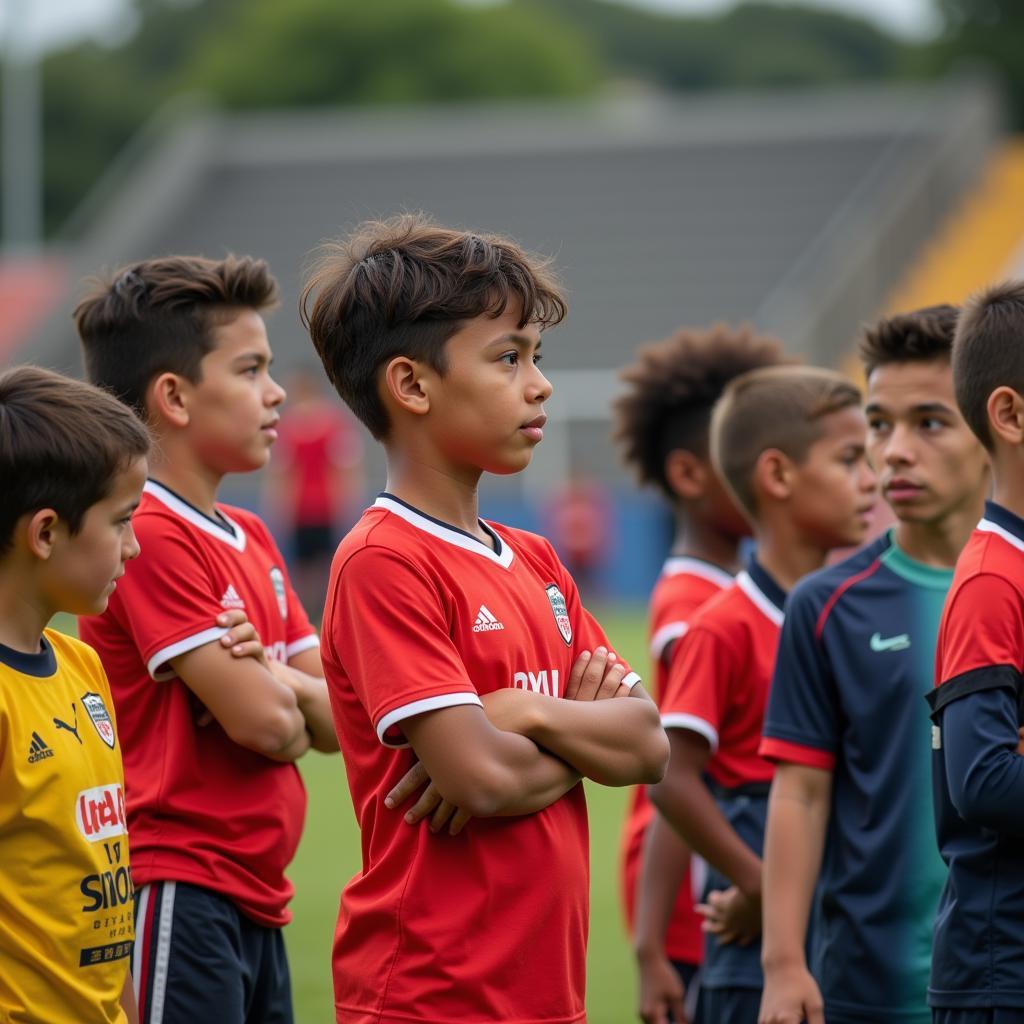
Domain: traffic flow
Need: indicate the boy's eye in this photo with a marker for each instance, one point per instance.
(931, 423)
(537, 357)
(510, 358)
(876, 425)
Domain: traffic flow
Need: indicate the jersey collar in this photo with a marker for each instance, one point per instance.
(41, 664)
(763, 591)
(676, 565)
(1003, 522)
(234, 538)
(502, 553)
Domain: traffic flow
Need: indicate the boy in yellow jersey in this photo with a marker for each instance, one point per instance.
(72, 462)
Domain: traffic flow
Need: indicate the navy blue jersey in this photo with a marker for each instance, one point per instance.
(979, 772)
(856, 659)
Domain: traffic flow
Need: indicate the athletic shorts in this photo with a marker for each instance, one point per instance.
(199, 960)
(689, 975)
(730, 1005)
(962, 1015)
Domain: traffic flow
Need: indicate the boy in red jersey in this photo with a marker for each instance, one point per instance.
(789, 443)
(215, 802)
(662, 423)
(462, 644)
(977, 972)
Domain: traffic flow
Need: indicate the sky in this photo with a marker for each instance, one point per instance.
(50, 23)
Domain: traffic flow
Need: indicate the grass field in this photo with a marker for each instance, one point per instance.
(329, 856)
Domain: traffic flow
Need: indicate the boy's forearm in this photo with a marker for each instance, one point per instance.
(690, 809)
(664, 860)
(544, 780)
(127, 1000)
(314, 704)
(794, 840)
(616, 742)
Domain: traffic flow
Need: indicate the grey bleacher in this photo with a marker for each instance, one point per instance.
(794, 211)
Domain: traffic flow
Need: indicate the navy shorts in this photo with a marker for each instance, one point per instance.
(730, 1005)
(689, 975)
(199, 960)
(963, 1015)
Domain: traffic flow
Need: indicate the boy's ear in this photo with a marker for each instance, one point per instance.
(41, 532)
(773, 474)
(403, 385)
(166, 399)
(687, 474)
(1005, 408)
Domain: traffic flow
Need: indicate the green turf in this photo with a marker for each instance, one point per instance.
(329, 855)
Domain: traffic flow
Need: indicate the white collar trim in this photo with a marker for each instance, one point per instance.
(196, 518)
(987, 526)
(759, 598)
(679, 564)
(447, 533)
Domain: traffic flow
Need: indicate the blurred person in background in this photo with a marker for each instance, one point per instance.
(579, 522)
(662, 424)
(313, 482)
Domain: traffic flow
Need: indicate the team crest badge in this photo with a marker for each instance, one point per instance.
(560, 611)
(99, 716)
(277, 580)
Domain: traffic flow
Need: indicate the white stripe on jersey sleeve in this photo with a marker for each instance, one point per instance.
(664, 636)
(190, 643)
(417, 707)
(694, 724)
(304, 643)
(631, 680)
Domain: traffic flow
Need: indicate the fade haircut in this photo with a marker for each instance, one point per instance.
(62, 442)
(988, 352)
(158, 316)
(673, 386)
(781, 407)
(923, 336)
(403, 287)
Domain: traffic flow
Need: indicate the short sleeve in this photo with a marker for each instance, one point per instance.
(697, 685)
(981, 641)
(390, 631)
(166, 600)
(587, 631)
(802, 720)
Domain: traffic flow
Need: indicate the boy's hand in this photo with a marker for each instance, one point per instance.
(661, 991)
(430, 802)
(731, 916)
(596, 676)
(241, 636)
(790, 996)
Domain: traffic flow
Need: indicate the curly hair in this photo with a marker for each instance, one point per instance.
(672, 387)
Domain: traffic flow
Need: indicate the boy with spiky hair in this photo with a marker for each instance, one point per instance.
(850, 804)
(458, 648)
(977, 968)
(215, 801)
(72, 461)
(662, 423)
(789, 444)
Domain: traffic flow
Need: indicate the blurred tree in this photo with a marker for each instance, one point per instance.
(990, 31)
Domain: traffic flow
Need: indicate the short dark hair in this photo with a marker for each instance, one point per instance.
(157, 317)
(922, 336)
(774, 407)
(62, 442)
(402, 287)
(988, 352)
(673, 385)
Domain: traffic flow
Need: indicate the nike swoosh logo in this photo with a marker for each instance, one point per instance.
(890, 643)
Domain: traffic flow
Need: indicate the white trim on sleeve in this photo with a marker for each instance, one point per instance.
(304, 643)
(190, 643)
(418, 707)
(631, 680)
(667, 634)
(681, 720)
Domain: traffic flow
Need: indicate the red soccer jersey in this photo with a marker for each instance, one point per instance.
(201, 809)
(684, 585)
(720, 674)
(489, 925)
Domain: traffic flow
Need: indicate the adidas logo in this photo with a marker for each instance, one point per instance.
(38, 750)
(485, 621)
(231, 599)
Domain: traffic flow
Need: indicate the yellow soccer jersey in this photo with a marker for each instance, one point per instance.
(66, 922)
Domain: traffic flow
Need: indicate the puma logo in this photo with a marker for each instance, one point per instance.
(71, 729)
